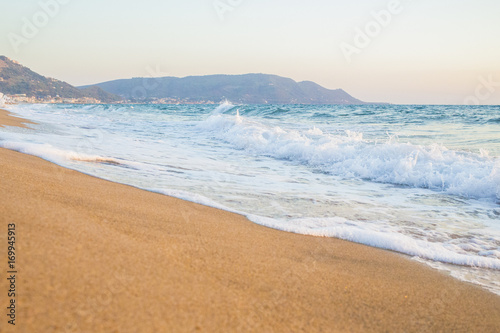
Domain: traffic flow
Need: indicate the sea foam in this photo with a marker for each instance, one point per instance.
(379, 236)
(348, 155)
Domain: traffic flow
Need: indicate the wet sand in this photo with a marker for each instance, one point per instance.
(96, 256)
(8, 119)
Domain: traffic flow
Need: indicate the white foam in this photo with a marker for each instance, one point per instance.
(374, 236)
(349, 155)
(223, 107)
(371, 234)
(55, 155)
(194, 197)
(488, 279)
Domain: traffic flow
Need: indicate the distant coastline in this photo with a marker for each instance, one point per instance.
(22, 85)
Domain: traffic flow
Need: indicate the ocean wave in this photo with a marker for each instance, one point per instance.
(495, 120)
(56, 155)
(349, 155)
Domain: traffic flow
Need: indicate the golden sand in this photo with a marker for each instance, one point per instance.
(7, 119)
(96, 256)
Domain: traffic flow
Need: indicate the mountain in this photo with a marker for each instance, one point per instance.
(17, 79)
(246, 88)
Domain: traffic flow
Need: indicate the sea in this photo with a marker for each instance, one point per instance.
(420, 180)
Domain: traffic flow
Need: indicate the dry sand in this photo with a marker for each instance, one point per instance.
(96, 256)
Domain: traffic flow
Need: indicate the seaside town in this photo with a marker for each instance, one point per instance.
(6, 99)
(23, 98)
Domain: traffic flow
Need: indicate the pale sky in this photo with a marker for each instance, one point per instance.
(422, 52)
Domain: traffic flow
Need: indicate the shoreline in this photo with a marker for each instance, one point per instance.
(99, 256)
(7, 118)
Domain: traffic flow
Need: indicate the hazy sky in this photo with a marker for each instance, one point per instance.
(422, 51)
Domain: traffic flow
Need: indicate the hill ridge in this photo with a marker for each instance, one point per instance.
(251, 88)
(16, 79)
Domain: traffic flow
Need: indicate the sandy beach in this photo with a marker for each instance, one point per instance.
(96, 256)
(8, 119)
